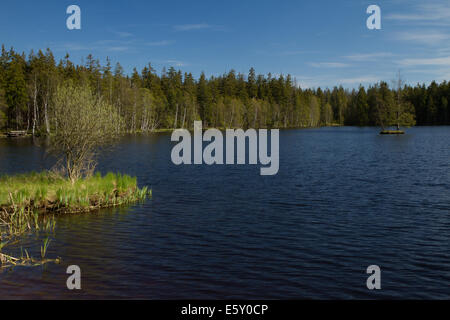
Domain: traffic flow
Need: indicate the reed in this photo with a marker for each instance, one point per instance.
(29, 202)
(51, 193)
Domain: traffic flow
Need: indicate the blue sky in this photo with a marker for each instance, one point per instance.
(320, 43)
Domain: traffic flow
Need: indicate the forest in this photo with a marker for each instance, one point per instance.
(147, 101)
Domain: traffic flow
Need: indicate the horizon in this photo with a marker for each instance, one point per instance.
(316, 47)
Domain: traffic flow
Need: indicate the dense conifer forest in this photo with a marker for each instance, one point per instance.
(147, 100)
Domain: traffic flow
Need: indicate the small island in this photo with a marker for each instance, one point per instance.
(392, 132)
(397, 113)
(49, 193)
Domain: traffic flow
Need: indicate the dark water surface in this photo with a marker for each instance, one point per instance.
(344, 198)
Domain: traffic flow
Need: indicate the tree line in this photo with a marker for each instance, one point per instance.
(147, 101)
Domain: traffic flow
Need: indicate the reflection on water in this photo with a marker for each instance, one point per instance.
(343, 199)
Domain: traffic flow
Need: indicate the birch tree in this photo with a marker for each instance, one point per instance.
(87, 125)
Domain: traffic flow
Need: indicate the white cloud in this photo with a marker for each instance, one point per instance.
(359, 80)
(331, 81)
(123, 34)
(116, 48)
(176, 63)
(198, 26)
(430, 13)
(293, 52)
(188, 27)
(328, 65)
(442, 61)
(71, 47)
(101, 45)
(307, 82)
(160, 43)
(431, 37)
(368, 56)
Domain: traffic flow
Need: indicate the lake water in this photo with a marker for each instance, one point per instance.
(343, 199)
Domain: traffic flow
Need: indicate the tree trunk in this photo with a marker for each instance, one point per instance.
(34, 106)
(176, 118)
(47, 126)
(184, 116)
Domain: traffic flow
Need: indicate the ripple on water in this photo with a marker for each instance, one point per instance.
(344, 199)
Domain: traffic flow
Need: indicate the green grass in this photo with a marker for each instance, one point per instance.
(50, 192)
(24, 198)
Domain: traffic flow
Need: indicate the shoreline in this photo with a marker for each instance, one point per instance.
(168, 130)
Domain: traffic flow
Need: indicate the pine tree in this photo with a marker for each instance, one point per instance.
(16, 91)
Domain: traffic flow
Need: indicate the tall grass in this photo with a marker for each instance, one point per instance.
(49, 192)
(23, 198)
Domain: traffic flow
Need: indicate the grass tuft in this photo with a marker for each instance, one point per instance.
(47, 192)
(24, 198)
